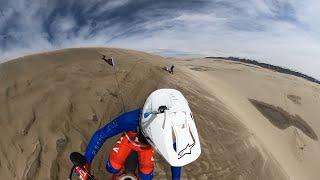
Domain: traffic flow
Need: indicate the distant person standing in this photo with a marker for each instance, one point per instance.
(171, 69)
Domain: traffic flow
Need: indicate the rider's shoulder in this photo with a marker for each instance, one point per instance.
(130, 120)
(131, 116)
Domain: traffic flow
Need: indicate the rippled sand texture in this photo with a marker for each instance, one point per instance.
(51, 104)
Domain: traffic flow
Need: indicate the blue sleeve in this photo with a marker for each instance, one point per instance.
(125, 122)
(175, 172)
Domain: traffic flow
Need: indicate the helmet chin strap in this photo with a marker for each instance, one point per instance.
(142, 138)
(140, 135)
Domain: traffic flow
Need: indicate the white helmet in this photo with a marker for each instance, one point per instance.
(167, 120)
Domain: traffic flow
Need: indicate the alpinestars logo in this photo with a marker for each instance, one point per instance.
(186, 150)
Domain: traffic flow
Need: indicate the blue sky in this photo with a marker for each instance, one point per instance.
(281, 32)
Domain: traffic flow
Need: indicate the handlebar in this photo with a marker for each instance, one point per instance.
(79, 161)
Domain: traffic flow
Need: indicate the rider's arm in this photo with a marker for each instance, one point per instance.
(124, 122)
(175, 172)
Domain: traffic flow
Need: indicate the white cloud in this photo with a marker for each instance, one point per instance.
(111, 5)
(281, 32)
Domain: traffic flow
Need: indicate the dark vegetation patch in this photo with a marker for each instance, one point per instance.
(200, 68)
(243, 64)
(282, 119)
(269, 66)
(295, 99)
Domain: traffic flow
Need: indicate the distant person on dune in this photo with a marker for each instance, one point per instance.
(166, 112)
(171, 69)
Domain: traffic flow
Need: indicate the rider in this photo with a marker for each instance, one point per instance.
(165, 123)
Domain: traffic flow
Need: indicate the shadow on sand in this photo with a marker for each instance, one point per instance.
(282, 119)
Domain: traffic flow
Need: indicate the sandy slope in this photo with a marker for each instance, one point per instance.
(234, 84)
(51, 104)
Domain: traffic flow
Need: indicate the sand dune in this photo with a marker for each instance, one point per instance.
(253, 123)
(294, 101)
